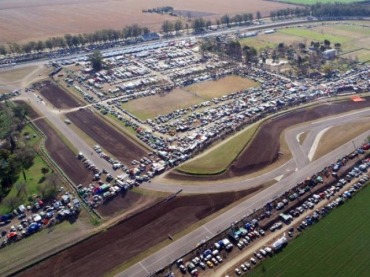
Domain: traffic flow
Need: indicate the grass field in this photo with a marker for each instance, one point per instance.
(211, 163)
(314, 34)
(152, 106)
(210, 89)
(338, 135)
(336, 246)
(353, 37)
(33, 174)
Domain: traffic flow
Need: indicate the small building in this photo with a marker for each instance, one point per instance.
(271, 31)
(329, 54)
(248, 35)
(150, 36)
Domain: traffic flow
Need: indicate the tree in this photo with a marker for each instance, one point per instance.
(3, 50)
(337, 46)
(327, 68)
(250, 53)
(167, 27)
(178, 25)
(44, 170)
(96, 60)
(225, 19)
(258, 15)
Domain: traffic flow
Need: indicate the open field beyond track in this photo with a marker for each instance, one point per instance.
(312, 2)
(40, 19)
(336, 246)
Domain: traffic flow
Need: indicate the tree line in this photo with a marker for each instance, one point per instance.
(198, 24)
(230, 49)
(74, 41)
(15, 155)
(321, 10)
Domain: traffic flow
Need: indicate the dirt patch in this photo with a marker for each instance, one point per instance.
(58, 97)
(119, 145)
(101, 253)
(152, 106)
(211, 89)
(265, 147)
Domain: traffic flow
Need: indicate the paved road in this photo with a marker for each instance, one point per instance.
(289, 176)
(188, 242)
(54, 117)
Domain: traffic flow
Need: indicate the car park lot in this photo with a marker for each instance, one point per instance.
(24, 221)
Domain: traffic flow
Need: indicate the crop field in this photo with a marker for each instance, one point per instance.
(152, 106)
(40, 19)
(312, 2)
(336, 246)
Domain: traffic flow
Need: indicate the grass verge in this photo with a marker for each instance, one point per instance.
(336, 246)
(338, 135)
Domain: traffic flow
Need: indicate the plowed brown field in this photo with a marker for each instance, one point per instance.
(58, 97)
(119, 145)
(22, 20)
(103, 252)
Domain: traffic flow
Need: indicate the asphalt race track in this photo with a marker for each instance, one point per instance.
(294, 171)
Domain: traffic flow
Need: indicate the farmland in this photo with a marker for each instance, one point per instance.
(312, 2)
(338, 245)
(24, 21)
(121, 146)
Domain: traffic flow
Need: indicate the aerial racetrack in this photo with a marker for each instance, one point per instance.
(264, 147)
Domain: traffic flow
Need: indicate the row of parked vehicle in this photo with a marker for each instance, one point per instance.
(30, 219)
(243, 236)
